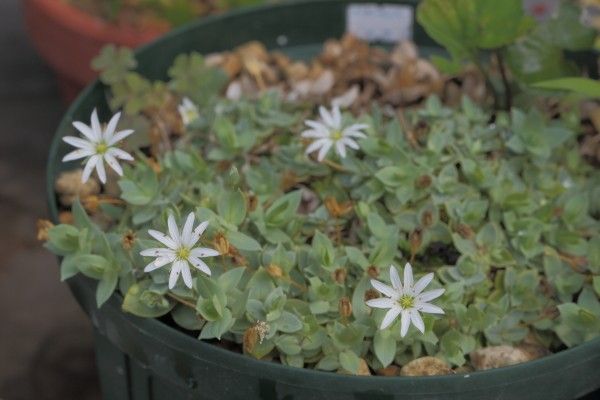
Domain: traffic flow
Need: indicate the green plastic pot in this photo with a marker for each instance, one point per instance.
(143, 359)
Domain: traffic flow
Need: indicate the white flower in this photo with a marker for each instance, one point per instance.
(188, 111)
(407, 300)
(180, 250)
(329, 132)
(98, 145)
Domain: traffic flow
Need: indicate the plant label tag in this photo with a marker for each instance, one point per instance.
(380, 22)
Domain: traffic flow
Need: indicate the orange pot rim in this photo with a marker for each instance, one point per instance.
(93, 26)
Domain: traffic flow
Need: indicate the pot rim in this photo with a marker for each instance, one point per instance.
(200, 350)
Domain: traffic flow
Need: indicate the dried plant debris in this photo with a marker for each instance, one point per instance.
(348, 72)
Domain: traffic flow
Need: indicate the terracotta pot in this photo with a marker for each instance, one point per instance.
(68, 39)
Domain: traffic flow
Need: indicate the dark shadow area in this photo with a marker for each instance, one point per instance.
(46, 347)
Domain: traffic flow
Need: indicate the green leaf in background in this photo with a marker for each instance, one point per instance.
(63, 239)
(114, 63)
(384, 345)
(141, 301)
(192, 78)
(140, 191)
(349, 361)
(462, 26)
(232, 207)
(107, 285)
(242, 241)
(583, 86)
(533, 58)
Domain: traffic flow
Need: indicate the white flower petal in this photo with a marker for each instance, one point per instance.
(422, 283)
(395, 279)
(340, 148)
(188, 104)
(404, 322)
(390, 316)
(161, 261)
(164, 239)
(199, 264)
(417, 321)
(336, 116)
(100, 170)
(114, 164)
(118, 153)
(96, 127)
(357, 127)
(186, 275)
(314, 134)
(429, 308)
(384, 289)
(355, 131)
(173, 229)
(350, 143)
(119, 136)
(197, 233)
(324, 149)
(326, 117)
(89, 167)
(175, 271)
(156, 252)
(152, 266)
(77, 154)
(204, 252)
(381, 303)
(110, 127)
(430, 295)
(85, 130)
(186, 232)
(317, 144)
(79, 143)
(317, 126)
(408, 278)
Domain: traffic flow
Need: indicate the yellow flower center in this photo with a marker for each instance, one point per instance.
(101, 148)
(191, 115)
(182, 253)
(406, 302)
(336, 135)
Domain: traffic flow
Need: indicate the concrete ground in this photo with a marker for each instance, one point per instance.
(46, 351)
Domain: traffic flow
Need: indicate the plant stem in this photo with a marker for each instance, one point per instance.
(507, 89)
(488, 81)
(334, 165)
(180, 300)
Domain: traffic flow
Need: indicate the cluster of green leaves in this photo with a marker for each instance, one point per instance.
(505, 214)
(534, 52)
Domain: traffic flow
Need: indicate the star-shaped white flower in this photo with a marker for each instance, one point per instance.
(329, 132)
(97, 146)
(407, 300)
(180, 250)
(188, 111)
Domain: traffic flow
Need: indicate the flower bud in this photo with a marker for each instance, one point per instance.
(415, 240)
(222, 244)
(339, 275)
(128, 240)
(371, 294)
(423, 182)
(345, 307)
(373, 271)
